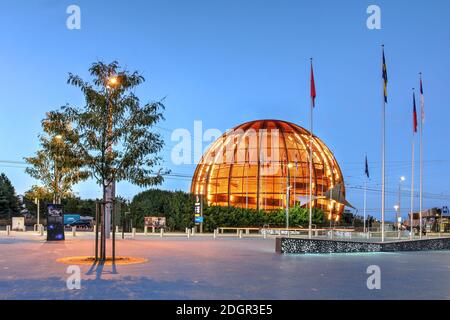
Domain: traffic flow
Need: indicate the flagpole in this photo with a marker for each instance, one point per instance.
(310, 164)
(421, 161)
(331, 193)
(383, 156)
(411, 236)
(412, 191)
(365, 199)
(246, 180)
(295, 183)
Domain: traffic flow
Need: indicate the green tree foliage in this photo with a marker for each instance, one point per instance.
(38, 192)
(9, 203)
(87, 207)
(56, 164)
(44, 195)
(178, 208)
(112, 134)
(76, 205)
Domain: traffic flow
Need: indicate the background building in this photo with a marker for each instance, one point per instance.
(252, 166)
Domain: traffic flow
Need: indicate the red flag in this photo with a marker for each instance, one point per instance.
(313, 87)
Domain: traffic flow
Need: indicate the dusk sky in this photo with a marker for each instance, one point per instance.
(228, 62)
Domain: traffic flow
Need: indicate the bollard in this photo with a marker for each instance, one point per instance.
(240, 234)
(161, 232)
(41, 230)
(237, 232)
(188, 232)
(316, 233)
(215, 234)
(133, 232)
(153, 229)
(117, 229)
(145, 230)
(265, 234)
(8, 230)
(74, 231)
(247, 231)
(193, 231)
(95, 228)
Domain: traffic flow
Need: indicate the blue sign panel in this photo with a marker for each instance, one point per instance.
(198, 219)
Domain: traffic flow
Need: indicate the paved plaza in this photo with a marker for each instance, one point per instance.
(222, 268)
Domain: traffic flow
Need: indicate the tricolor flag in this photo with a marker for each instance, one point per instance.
(422, 101)
(414, 113)
(313, 87)
(367, 169)
(385, 78)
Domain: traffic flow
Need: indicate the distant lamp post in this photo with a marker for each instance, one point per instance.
(36, 201)
(56, 198)
(399, 214)
(397, 219)
(288, 195)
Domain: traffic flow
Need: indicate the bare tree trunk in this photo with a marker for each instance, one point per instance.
(103, 230)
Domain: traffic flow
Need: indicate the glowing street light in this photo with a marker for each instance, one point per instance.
(113, 81)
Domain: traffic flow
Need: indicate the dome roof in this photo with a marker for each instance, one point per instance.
(252, 165)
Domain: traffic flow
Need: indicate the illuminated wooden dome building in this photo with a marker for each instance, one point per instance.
(253, 165)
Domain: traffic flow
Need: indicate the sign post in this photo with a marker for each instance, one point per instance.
(198, 211)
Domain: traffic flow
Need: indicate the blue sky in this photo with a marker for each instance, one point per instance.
(228, 62)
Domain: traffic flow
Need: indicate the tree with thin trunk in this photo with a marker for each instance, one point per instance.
(113, 133)
(56, 164)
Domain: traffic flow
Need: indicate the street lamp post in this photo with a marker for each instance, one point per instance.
(56, 196)
(107, 206)
(288, 198)
(36, 201)
(110, 83)
(397, 209)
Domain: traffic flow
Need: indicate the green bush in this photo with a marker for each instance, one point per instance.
(178, 208)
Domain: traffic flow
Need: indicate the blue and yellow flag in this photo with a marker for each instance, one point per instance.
(385, 78)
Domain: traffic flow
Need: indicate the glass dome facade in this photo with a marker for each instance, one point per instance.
(261, 164)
